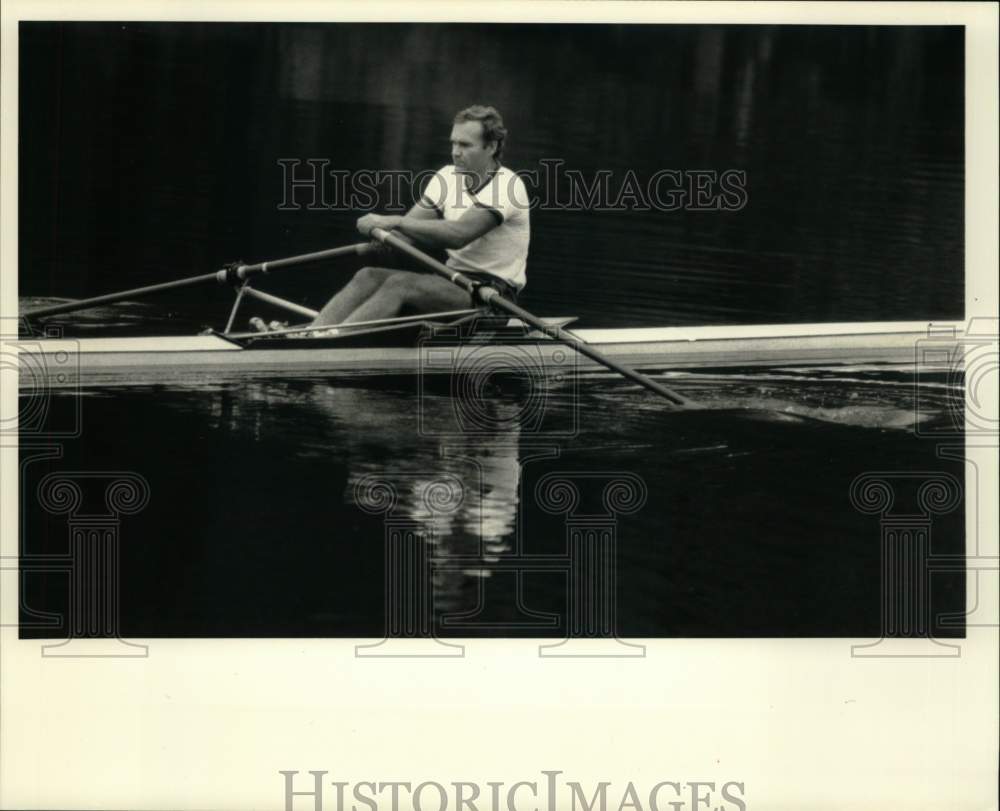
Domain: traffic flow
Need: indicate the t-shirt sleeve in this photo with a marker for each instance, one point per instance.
(506, 196)
(435, 192)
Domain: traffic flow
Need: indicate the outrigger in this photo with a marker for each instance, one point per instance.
(496, 336)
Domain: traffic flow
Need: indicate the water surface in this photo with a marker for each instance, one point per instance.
(272, 502)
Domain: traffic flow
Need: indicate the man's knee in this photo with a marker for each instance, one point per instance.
(398, 284)
(372, 275)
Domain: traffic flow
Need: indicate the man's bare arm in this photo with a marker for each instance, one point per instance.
(419, 211)
(423, 211)
(441, 233)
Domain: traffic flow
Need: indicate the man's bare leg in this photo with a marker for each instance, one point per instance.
(419, 291)
(362, 287)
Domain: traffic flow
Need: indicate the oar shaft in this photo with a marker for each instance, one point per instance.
(359, 249)
(490, 296)
(493, 298)
(111, 298)
(240, 273)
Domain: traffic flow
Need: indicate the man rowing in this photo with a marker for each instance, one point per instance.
(476, 210)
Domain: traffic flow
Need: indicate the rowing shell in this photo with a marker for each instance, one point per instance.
(57, 363)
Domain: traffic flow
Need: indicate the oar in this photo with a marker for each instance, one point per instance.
(493, 298)
(229, 275)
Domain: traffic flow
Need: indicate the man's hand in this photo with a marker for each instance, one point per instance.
(370, 221)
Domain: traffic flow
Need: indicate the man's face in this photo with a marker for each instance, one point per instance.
(468, 152)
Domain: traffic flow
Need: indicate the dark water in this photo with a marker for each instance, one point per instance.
(270, 503)
(149, 152)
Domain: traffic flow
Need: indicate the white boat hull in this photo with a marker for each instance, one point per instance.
(127, 361)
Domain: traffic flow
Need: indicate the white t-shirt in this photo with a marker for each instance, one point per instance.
(501, 251)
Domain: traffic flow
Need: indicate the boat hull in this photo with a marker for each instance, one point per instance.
(58, 363)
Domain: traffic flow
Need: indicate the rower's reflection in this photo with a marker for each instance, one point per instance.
(455, 491)
(456, 497)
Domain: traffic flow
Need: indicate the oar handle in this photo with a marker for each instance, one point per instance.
(489, 295)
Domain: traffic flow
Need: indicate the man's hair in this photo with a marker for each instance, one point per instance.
(489, 117)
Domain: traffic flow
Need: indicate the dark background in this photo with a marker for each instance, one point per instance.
(149, 151)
